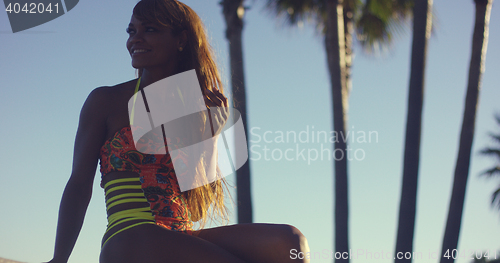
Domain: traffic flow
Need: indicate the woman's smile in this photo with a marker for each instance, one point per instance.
(139, 51)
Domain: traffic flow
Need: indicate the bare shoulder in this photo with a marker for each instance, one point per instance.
(101, 99)
(98, 97)
(121, 88)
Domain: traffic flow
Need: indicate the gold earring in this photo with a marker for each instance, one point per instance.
(180, 49)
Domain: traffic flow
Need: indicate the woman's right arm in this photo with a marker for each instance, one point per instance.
(90, 137)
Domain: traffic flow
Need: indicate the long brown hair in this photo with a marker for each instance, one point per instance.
(207, 200)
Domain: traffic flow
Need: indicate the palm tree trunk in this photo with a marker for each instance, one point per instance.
(476, 69)
(233, 13)
(348, 14)
(422, 23)
(335, 49)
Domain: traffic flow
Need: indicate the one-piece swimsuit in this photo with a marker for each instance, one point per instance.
(154, 192)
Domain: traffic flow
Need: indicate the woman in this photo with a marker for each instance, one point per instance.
(149, 218)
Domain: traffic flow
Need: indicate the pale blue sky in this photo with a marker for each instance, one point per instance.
(48, 71)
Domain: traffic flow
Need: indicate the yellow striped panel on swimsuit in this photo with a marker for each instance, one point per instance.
(115, 219)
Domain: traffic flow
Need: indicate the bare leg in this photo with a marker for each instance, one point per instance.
(258, 243)
(154, 244)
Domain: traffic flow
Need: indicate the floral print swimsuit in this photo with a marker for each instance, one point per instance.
(167, 207)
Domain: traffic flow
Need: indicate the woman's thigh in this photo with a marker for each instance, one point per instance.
(258, 242)
(154, 244)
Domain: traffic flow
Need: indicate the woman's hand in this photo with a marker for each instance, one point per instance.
(218, 111)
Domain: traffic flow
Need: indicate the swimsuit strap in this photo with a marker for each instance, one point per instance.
(120, 180)
(135, 97)
(141, 215)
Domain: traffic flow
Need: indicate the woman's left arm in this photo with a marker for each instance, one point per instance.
(89, 138)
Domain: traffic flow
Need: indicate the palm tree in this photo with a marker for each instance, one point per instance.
(476, 69)
(337, 18)
(335, 51)
(495, 152)
(234, 11)
(422, 24)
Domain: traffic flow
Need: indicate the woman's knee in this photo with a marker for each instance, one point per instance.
(291, 235)
(288, 239)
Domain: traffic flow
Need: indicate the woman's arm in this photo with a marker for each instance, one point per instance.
(76, 197)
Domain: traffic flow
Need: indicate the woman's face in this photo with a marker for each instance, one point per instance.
(152, 46)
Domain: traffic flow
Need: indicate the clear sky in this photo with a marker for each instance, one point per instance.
(47, 72)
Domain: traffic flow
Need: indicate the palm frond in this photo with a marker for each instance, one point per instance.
(495, 198)
(403, 9)
(294, 12)
(491, 172)
(372, 29)
(497, 118)
(491, 151)
(376, 21)
(352, 5)
(494, 171)
(495, 137)
(379, 21)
